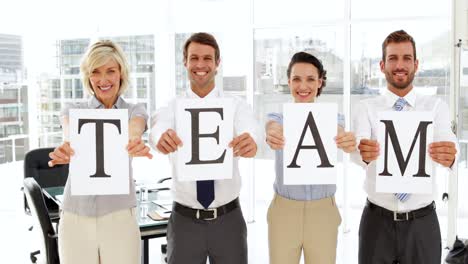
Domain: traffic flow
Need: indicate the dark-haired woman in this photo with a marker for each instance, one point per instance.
(303, 217)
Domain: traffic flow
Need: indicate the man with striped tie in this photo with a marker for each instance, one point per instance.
(400, 227)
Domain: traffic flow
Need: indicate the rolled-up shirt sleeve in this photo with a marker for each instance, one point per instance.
(139, 110)
(162, 120)
(362, 129)
(276, 117)
(245, 121)
(341, 120)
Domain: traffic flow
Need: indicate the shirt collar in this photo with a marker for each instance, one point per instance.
(391, 98)
(94, 103)
(213, 94)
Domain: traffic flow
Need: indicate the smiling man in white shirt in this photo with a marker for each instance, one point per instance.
(400, 228)
(207, 221)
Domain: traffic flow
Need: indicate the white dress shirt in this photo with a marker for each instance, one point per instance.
(365, 122)
(225, 190)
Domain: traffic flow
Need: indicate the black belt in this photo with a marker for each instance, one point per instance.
(208, 214)
(421, 212)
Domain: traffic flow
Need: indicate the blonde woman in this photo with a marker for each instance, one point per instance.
(102, 228)
(303, 218)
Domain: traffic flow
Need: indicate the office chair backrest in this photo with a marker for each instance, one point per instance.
(35, 166)
(39, 212)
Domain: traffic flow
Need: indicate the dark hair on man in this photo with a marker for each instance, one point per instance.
(398, 36)
(304, 57)
(205, 39)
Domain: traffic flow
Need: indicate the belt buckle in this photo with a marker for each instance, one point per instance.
(395, 216)
(214, 210)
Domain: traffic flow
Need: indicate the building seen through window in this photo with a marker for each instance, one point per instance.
(67, 86)
(60, 87)
(13, 99)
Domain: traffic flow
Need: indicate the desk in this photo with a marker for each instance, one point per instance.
(148, 227)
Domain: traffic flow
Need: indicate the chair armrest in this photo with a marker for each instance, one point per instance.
(164, 179)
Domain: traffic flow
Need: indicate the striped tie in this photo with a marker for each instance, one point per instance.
(398, 106)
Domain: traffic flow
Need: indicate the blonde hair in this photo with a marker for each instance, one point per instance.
(99, 54)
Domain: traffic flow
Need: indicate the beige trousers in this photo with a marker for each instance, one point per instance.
(110, 239)
(296, 226)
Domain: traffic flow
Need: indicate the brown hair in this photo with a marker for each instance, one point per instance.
(304, 57)
(205, 39)
(397, 37)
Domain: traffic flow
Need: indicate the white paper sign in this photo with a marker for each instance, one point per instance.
(206, 127)
(100, 165)
(310, 152)
(400, 166)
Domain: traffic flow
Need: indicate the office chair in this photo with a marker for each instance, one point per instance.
(35, 166)
(38, 210)
(162, 181)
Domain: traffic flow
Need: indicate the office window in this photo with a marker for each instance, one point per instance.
(424, 9)
(265, 35)
(141, 87)
(21, 147)
(296, 12)
(45, 119)
(50, 140)
(232, 70)
(78, 88)
(181, 79)
(12, 130)
(273, 51)
(432, 51)
(5, 150)
(8, 114)
(68, 88)
(57, 107)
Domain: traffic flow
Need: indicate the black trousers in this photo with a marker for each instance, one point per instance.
(385, 241)
(192, 241)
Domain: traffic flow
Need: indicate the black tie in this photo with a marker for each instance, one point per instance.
(205, 192)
